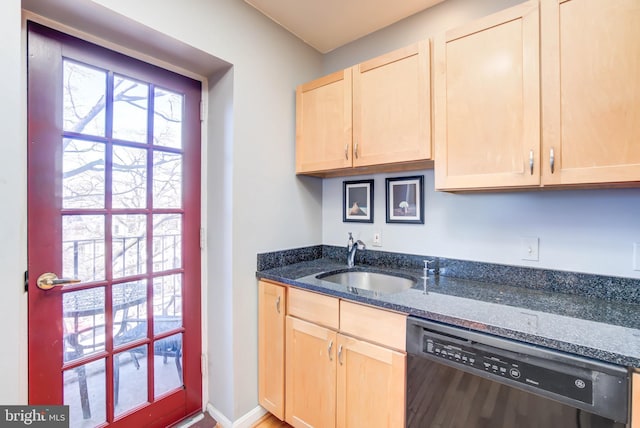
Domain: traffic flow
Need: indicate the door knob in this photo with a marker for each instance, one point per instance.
(48, 280)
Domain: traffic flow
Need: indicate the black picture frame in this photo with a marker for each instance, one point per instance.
(357, 201)
(405, 199)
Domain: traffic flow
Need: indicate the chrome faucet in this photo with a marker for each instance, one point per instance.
(352, 247)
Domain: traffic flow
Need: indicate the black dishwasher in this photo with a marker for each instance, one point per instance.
(457, 378)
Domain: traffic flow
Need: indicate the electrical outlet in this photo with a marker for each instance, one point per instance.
(636, 256)
(529, 248)
(377, 239)
(530, 321)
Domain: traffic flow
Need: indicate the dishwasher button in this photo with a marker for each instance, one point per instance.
(515, 373)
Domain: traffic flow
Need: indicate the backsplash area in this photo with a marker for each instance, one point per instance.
(611, 288)
(591, 231)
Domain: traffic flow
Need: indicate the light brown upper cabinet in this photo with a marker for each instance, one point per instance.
(590, 91)
(373, 117)
(392, 107)
(487, 90)
(323, 123)
(487, 102)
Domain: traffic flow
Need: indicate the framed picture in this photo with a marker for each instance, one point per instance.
(405, 199)
(357, 201)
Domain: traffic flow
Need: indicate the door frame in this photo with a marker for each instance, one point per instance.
(119, 49)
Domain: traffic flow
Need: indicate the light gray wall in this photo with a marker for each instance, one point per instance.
(13, 218)
(441, 17)
(586, 231)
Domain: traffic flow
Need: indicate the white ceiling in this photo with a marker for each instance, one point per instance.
(328, 24)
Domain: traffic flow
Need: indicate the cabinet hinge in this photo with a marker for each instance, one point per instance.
(202, 111)
(203, 365)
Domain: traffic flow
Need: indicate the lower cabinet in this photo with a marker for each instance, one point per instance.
(331, 378)
(635, 400)
(371, 385)
(310, 375)
(271, 335)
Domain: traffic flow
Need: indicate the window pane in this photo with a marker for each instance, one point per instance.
(167, 364)
(129, 312)
(82, 174)
(130, 106)
(130, 379)
(167, 119)
(167, 303)
(84, 99)
(83, 322)
(129, 245)
(167, 180)
(129, 188)
(85, 394)
(83, 247)
(167, 242)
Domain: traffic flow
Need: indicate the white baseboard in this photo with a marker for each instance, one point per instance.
(246, 421)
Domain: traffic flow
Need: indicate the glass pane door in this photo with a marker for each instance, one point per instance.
(120, 220)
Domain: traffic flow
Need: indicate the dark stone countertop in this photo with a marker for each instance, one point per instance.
(592, 327)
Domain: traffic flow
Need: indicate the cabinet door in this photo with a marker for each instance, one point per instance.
(635, 400)
(310, 375)
(271, 334)
(323, 123)
(392, 107)
(371, 385)
(591, 91)
(487, 102)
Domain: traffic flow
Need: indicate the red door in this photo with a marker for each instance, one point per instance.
(114, 202)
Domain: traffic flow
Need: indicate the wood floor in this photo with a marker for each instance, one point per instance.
(270, 421)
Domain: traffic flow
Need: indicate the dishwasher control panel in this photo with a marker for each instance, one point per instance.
(568, 383)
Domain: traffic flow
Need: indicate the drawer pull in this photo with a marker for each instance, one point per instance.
(278, 304)
(329, 350)
(340, 354)
(531, 162)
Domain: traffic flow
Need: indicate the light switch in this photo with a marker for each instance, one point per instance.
(377, 239)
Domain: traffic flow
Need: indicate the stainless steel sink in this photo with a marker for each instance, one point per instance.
(374, 281)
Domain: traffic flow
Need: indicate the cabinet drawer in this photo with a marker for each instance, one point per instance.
(376, 325)
(314, 307)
